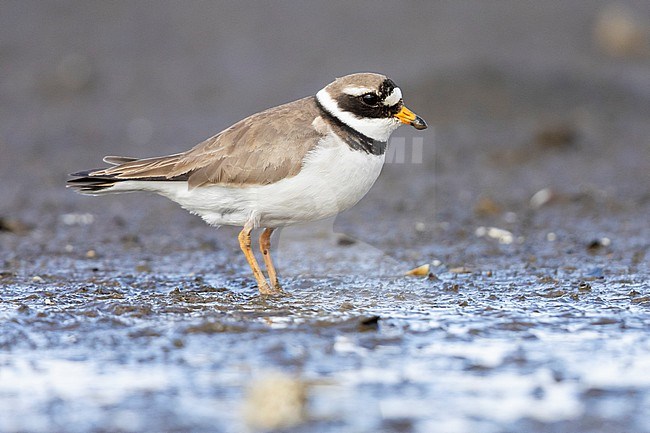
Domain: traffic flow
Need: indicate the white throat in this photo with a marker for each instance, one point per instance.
(377, 129)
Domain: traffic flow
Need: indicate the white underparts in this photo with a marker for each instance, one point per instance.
(333, 178)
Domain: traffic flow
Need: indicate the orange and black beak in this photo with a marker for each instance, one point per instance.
(410, 118)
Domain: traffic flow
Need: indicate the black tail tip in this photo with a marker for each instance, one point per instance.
(85, 182)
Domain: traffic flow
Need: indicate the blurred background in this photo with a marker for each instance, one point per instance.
(536, 166)
(521, 97)
(81, 79)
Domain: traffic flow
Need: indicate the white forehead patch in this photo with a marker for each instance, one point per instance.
(357, 91)
(394, 97)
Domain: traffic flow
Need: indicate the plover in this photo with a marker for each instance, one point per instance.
(302, 161)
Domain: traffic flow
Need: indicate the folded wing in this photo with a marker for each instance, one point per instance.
(261, 149)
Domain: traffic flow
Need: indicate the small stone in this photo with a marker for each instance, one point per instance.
(277, 401)
(13, 226)
(345, 241)
(583, 286)
(620, 33)
(596, 244)
(502, 235)
(556, 135)
(420, 271)
(81, 219)
(369, 323)
(487, 206)
(91, 254)
(541, 198)
(460, 270)
(420, 227)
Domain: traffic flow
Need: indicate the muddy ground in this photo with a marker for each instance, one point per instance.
(529, 201)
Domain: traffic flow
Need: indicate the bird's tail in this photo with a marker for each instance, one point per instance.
(126, 175)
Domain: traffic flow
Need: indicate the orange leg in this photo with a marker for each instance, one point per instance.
(265, 247)
(245, 244)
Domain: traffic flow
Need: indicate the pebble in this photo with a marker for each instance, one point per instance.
(77, 219)
(620, 33)
(420, 271)
(541, 198)
(502, 235)
(276, 401)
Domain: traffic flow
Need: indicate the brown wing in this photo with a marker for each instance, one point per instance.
(261, 149)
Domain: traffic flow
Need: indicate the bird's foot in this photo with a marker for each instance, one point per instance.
(275, 290)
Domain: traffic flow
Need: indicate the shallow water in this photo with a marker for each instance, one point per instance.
(510, 349)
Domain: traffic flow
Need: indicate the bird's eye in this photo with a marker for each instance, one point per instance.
(370, 99)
